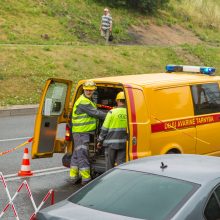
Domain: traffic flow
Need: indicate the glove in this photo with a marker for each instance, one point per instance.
(99, 145)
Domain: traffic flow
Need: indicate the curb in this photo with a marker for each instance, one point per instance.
(18, 110)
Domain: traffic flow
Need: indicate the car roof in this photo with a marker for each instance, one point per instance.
(193, 168)
(159, 79)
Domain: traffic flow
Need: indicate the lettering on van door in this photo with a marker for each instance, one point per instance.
(184, 123)
(170, 125)
(204, 120)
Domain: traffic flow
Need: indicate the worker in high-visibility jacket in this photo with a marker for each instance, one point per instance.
(113, 135)
(84, 122)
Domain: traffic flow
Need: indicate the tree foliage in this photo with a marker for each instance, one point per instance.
(146, 6)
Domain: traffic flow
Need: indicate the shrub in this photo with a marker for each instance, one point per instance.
(145, 6)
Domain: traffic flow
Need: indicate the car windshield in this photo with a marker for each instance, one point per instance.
(135, 194)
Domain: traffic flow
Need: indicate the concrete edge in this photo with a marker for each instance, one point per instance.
(18, 110)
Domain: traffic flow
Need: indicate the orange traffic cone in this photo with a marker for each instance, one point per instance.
(25, 166)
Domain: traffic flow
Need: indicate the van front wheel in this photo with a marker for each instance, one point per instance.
(173, 151)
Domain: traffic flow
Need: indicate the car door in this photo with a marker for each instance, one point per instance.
(53, 109)
(212, 209)
(206, 100)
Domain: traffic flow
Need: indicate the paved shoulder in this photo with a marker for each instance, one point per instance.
(18, 110)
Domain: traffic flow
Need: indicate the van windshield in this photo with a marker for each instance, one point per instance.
(135, 194)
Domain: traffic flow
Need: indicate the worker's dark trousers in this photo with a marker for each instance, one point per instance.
(114, 157)
(80, 157)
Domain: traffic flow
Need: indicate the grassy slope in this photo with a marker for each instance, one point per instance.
(72, 27)
(200, 16)
(36, 64)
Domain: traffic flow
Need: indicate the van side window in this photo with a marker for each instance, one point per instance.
(212, 210)
(206, 98)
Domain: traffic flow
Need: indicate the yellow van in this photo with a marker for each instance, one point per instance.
(173, 112)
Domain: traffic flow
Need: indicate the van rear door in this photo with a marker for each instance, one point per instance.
(53, 109)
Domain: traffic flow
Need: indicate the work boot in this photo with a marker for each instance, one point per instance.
(73, 181)
(74, 175)
(84, 183)
(85, 174)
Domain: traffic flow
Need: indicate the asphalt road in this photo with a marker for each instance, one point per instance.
(48, 172)
(14, 131)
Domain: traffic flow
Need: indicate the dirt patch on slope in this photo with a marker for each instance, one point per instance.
(187, 57)
(162, 35)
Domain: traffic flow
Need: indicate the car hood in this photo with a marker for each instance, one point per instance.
(66, 210)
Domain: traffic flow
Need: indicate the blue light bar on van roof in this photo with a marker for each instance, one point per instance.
(194, 69)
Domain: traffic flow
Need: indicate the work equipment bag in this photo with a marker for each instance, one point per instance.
(110, 37)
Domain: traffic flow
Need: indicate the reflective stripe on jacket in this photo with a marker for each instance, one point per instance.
(114, 129)
(81, 121)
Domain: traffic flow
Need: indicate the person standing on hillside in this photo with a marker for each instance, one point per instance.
(106, 25)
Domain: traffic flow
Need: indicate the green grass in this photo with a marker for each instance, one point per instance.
(77, 21)
(209, 56)
(24, 69)
(65, 22)
(60, 38)
(200, 16)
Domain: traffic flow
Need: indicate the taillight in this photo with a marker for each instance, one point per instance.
(67, 134)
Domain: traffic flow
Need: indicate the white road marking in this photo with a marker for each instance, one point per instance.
(48, 169)
(42, 172)
(15, 139)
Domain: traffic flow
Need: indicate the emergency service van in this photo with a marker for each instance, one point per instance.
(173, 112)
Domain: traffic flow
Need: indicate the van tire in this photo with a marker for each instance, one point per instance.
(173, 151)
